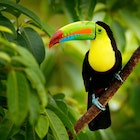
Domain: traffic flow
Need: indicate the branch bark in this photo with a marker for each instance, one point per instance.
(93, 111)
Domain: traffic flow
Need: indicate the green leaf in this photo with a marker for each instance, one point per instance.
(7, 47)
(21, 53)
(37, 84)
(64, 116)
(15, 129)
(4, 59)
(59, 96)
(42, 126)
(18, 96)
(45, 27)
(62, 105)
(50, 137)
(29, 132)
(34, 107)
(40, 75)
(7, 23)
(85, 9)
(31, 40)
(57, 126)
(5, 128)
(17, 9)
(5, 29)
(28, 61)
(20, 9)
(21, 40)
(2, 113)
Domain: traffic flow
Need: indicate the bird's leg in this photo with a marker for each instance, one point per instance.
(97, 103)
(118, 77)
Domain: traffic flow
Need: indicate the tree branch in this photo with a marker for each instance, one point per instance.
(93, 111)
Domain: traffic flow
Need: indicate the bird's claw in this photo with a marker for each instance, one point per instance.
(97, 103)
(118, 77)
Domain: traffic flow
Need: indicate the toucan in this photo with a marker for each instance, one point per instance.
(101, 64)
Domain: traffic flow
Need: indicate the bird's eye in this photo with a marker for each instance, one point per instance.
(99, 31)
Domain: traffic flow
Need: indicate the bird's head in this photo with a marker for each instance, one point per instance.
(81, 30)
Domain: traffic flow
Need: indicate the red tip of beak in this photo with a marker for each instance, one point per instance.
(55, 38)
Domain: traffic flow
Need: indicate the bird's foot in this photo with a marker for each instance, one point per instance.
(97, 103)
(118, 77)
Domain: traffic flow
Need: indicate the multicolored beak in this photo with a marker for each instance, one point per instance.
(81, 30)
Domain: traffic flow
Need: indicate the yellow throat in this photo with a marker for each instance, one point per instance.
(101, 54)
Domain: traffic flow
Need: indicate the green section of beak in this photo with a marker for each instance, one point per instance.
(81, 30)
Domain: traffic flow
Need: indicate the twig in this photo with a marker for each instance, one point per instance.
(93, 111)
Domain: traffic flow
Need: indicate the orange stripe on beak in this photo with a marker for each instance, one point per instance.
(83, 31)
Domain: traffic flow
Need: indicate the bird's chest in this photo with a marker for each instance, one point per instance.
(98, 80)
(101, 56)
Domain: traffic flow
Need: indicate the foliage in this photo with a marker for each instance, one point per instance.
(41, 91)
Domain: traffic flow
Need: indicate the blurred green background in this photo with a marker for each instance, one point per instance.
(63, 64)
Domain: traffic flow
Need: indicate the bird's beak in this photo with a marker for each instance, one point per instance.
(81, 30)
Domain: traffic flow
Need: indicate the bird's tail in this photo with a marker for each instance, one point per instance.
(101, 121)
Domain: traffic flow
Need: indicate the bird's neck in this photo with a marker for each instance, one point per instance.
(101, 55)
